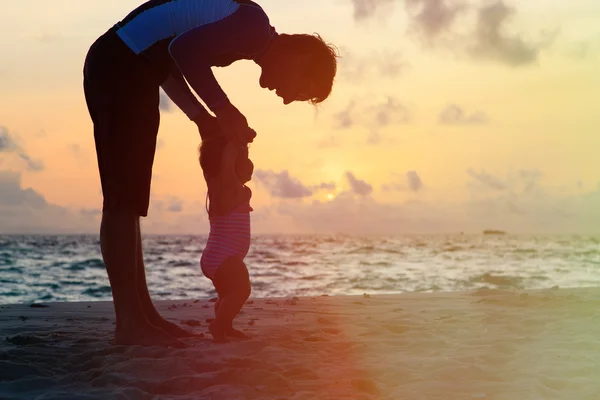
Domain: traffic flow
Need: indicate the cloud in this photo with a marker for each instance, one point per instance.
(79, 153)
(516, 202)
(168, 204)
(585, 49)
(447, 23)
(410, 181)
(454, 114)
(355, 69)
(13, 195)
(365, 9)
(282, 185)
(329, 142)
(94, 212)
(432, 18)
(373, 117)
(23, 210)
(491, 43)
(349, 214)
(358, 186)
(165, 103)
(414, 181)
(520, 182)
(324, 186)
(487, 180)
(9, 146)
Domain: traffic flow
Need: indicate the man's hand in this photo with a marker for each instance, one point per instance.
(207, 125)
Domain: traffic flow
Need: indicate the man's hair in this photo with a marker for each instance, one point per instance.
(324, 61)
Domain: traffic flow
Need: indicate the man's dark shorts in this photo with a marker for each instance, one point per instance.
(122, 95)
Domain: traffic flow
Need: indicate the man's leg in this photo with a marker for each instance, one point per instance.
(124, 107)
(146, 301)
(119, 251)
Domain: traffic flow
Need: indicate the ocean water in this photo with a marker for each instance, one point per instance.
(70, 268)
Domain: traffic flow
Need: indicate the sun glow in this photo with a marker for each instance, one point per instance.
(330, 196)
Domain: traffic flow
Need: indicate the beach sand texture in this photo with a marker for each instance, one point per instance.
(485, 344)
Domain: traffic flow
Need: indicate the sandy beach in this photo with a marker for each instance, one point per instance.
(485, 344)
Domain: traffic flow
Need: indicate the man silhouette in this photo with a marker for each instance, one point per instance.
(168, 44)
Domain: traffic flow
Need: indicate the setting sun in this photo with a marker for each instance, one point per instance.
(330, 196)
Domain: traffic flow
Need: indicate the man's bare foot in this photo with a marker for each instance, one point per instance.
(172, 329)
(147, 335)
(217, 332)
(234, 333)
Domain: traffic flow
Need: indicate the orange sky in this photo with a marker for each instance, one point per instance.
(492, 120)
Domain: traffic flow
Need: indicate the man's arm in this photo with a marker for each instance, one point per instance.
(179, 92)
(241, 35)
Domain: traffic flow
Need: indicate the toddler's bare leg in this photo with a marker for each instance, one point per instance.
(234, 272)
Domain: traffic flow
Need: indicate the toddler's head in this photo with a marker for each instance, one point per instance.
(211, 151)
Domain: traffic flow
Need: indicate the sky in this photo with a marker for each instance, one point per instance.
(446, 116)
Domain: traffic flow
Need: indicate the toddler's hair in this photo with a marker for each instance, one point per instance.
(210, 152)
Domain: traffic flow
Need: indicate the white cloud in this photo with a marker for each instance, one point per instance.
(8, 146)
(364, 9)
(517, 203)
(23, 210)
(410, 181)
(168, 204)
(374, 116)
(453, 114)
(490, 41)
(414, 181)
(358, 186)
(437, 22)
(281, 184)
(355, 69)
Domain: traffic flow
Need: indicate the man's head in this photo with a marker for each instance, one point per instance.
(299, 67)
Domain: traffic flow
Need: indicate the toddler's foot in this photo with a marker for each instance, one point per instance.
(217, 332)
(234, 333)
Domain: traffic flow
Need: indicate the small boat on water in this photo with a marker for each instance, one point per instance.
(493, 232)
